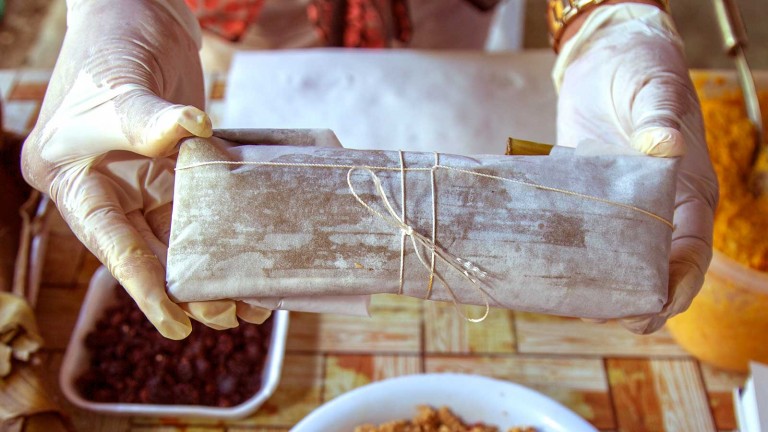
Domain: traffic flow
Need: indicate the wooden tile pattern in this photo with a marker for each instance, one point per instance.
(62, 263)
(577, 383)
(179, 428)
(394, 326)
(446, 332)
(17, 115)
(655, 395)
(719, 385)
(255, 429)
(615, 380)
(57, 309)
(569, 336)
(28, 91)
(347, 372)
(7, 82)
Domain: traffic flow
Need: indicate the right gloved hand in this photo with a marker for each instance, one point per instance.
(623, 81)
(126, 88)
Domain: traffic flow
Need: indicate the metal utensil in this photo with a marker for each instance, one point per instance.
(734, 35)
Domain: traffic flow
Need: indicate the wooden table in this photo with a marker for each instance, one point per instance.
(614, 379)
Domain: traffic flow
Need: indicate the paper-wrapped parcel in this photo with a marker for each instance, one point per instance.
(582, 236)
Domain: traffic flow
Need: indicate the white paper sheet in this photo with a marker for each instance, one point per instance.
(466, 102)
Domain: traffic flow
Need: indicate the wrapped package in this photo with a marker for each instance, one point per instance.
(582, 236)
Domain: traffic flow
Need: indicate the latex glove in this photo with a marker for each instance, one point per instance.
(623, 81)
(126, 88)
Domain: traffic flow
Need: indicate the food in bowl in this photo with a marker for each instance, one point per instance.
(130, 362)
(429, 419)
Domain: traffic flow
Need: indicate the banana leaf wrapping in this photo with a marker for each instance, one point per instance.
(581, 236)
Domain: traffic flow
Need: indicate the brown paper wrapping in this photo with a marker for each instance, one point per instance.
(560, 234)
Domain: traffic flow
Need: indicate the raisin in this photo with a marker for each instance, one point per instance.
(132, 363)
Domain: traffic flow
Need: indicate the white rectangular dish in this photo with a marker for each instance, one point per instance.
(76, 360)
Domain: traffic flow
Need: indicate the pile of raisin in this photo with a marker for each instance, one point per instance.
(132, 363)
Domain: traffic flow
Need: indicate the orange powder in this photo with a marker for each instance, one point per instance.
(741, 221)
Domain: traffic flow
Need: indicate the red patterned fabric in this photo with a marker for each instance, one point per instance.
(361, 23)
(226, 18)
(343, 23)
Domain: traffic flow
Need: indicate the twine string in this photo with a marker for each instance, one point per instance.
(419, 242)
(434, 168)
(434, 224)
(402, 213)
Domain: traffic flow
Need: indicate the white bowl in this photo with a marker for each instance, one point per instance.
(76, 360)
(474, 398)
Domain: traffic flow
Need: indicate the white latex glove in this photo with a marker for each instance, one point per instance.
(623, 81)
(126, 88)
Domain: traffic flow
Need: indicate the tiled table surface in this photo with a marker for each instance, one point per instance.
(616, 380)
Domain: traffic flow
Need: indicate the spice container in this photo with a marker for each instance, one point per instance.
(727, 322)
(100, 296)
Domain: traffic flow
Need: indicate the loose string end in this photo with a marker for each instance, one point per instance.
(430, 284)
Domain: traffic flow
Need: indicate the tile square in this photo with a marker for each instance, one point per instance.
(28, 91)
(257, 429)
(445, 331)
(56, 223)
(7, 80)
(88, 266)
(720, 385)
(537, 333)
(19, 115)
(179, 428)
(63, 260)
(34, 76)
(394, 327)
(579, 384)
(659, 395)
(347, 372)
(57, 310)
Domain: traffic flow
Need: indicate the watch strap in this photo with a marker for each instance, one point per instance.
(561, 12)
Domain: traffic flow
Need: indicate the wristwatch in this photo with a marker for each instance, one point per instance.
(561, 12)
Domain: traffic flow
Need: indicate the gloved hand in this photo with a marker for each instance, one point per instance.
(623, 81)
(126, 88)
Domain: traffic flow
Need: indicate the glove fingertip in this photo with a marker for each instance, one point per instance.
(252, 314)
(216, 314)
(168, 318)
(175, 328)
(659, 142)
(644, 325)
(195, 121)
(149, 294)
(174, 124)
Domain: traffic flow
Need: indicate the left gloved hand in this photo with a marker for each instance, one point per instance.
(623, 81)
(126, 88)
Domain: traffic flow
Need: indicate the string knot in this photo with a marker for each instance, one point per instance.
(469, 271)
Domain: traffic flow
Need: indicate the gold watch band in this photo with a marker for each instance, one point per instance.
(562, 12)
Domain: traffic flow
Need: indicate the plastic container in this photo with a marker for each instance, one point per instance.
(727, 322)
(76, 358)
